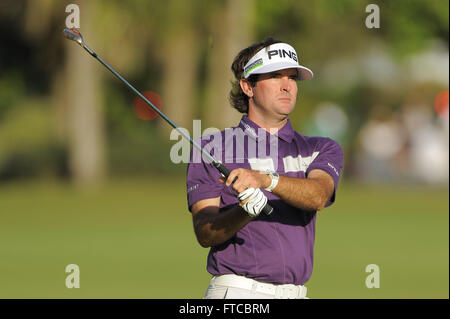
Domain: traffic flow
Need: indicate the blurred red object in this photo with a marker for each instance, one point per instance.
(441, 104)
(143, 110)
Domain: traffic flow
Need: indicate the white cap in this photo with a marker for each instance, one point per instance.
(278, 56)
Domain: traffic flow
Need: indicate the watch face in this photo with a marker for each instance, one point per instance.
(275, 174)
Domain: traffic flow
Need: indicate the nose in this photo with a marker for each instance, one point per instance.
(285, 84)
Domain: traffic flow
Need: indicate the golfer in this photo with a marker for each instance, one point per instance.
(253, 255)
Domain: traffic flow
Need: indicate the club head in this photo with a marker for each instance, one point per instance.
(74, 34)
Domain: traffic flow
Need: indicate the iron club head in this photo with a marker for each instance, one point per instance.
(74, 34)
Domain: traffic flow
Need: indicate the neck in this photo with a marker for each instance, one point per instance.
(267, 121)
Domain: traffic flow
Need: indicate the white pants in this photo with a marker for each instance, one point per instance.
(239, 287)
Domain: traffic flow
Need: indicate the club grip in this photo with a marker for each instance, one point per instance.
(267, 209)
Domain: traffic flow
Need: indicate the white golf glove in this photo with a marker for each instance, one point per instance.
(255, 203)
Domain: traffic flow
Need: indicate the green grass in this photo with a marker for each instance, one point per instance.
(134, 239)
(402, 230)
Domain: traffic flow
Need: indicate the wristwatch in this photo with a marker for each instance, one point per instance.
(274, 177)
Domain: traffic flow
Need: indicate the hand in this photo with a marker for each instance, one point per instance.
(247, 178)
(252, 200)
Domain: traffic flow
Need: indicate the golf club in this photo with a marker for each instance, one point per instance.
(75, 35)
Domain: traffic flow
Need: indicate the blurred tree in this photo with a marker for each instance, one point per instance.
(232, 29)
(179, 53)
(411, 26)
(86, 136)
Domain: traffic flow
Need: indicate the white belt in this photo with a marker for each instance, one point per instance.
(287, 291)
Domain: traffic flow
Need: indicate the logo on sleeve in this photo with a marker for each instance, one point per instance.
(335, 170)
(190, 189)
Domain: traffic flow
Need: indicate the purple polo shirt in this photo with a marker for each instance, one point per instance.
(277, 248)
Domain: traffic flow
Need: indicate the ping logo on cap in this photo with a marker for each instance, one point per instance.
(282, 54)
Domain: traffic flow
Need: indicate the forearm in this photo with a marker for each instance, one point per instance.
(212, 228)
(311, 193)
(303, 193)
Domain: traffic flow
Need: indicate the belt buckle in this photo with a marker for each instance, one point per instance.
(291, 291)
(279, 292)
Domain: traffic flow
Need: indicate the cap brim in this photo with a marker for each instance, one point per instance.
(305, 73)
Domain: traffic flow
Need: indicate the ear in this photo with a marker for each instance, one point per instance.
(246, 87)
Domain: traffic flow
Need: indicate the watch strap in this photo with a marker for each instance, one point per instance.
(274, 181)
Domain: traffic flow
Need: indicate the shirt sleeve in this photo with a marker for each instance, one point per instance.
(329, 159)
(202, 179)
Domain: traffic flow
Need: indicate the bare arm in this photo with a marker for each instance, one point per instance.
(213, 228)
(310, 193)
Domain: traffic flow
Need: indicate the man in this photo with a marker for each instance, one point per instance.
(255, 255)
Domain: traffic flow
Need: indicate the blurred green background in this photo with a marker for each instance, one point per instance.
(84, 181)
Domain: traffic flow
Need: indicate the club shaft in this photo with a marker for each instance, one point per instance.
(164, 116)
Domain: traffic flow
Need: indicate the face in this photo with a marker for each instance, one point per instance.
(275, 93)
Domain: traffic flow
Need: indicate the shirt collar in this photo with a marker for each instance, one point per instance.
(286, 133)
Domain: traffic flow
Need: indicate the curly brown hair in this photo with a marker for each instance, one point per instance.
(238, 99)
